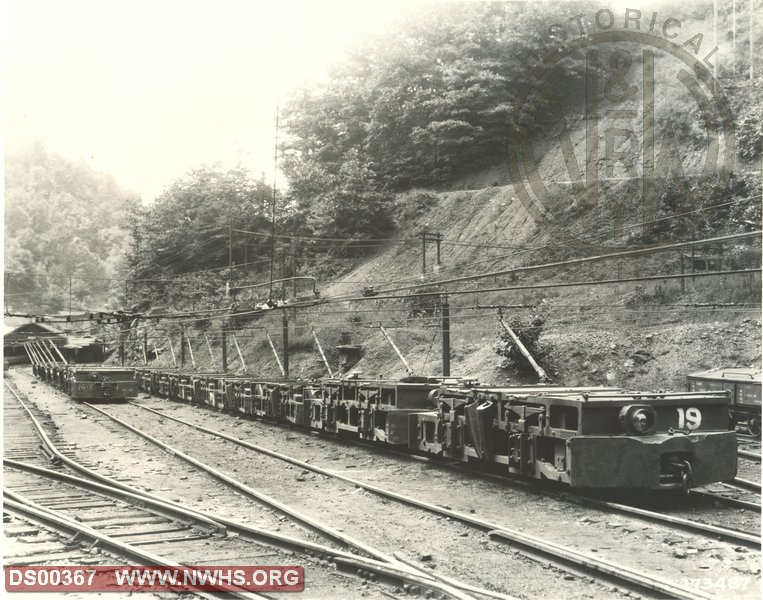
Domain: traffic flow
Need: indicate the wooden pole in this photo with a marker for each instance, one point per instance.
(285, 340)
(224, 344)
(182, 346)
(683, 270)
(445, 310)
(145, 346)
(190, 351)
(121, 346)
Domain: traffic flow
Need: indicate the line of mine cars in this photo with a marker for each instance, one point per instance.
(584, 437)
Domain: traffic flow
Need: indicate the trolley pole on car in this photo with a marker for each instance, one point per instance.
(238, 349)
(58, 352)
(396, 349)
(542, 376)
(172, 351)
(211, 354)
(31, 360)
(42, 358)
(445, 313)
(323, 355)
(275, 353)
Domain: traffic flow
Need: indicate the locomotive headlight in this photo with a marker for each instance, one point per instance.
(637, 419)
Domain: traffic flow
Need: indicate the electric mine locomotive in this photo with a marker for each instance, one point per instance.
(583, 437)
(89, 382)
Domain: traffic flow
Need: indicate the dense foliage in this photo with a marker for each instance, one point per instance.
(427, 101)
(62, 220)
(197, 224)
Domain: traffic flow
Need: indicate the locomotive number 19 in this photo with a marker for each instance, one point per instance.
(689, 419)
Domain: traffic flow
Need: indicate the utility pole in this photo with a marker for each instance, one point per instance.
(429, 237)
(121, 344)
(145, 345)
(70, 297)
(285, 329)
(230, 258)
(182, 346)
(224, 343)
(445, 313)
(190, 351)
(424, 252)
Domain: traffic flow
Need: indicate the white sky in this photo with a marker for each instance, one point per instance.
(148, 89)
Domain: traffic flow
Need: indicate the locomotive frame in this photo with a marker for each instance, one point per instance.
(581, 437)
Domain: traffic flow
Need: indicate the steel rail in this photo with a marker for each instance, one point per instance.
(676, 522)
(297, 516)
(173, 512)
(735, 502)
(45, 516)
(749, 455)
(398, 572)
(743, 484)
(535, 543)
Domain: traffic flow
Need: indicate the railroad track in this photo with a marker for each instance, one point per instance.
(560, 554)
(390, 569)
(749, 455)
(677, 522)
(743, 484)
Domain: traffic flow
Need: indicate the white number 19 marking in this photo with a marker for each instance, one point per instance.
(689, 419)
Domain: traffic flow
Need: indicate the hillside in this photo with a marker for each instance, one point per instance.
(631, 335)
(411, 133)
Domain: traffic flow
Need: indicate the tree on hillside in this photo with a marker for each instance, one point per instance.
(189, 228)
(423, 103)
(62, 220)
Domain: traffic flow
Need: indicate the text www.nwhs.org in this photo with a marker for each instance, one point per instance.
(154, 579)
